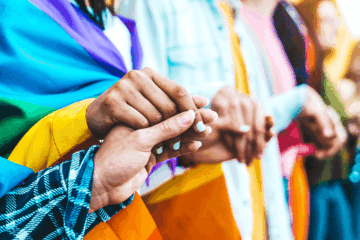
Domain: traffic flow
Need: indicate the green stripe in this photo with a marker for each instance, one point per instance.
(17, 117)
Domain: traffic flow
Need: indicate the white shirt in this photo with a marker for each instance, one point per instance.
(116, 31)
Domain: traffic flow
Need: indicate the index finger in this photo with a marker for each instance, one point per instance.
(178, 94)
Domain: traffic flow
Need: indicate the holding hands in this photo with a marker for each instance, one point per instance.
(125, 158)
(241, 131)
(323, 125)
(145, 119)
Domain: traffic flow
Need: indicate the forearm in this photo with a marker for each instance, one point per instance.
(58, 198)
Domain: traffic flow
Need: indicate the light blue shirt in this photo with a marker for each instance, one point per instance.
(186, 41)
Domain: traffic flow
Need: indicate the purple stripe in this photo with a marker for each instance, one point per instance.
(171, 163)
(136, 49)
(90, 36)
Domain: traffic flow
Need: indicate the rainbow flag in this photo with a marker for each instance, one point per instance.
(53, 55)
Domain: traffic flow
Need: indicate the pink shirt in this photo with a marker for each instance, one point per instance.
(284, 80)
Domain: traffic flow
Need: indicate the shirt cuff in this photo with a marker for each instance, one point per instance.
(106, 213)
(287, 106)
(79, 186)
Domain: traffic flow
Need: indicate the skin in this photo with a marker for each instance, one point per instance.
(142, 99)
(125, 159)
(324, 125)
(317, 119)
(320, 120)
(236, 110)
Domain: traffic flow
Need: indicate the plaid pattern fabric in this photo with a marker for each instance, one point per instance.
(54, 203)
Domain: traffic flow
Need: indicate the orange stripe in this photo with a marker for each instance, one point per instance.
(155, 235)
(186, 182)
(299, 200)
(203, 213)
(102, 231)
(132, 223)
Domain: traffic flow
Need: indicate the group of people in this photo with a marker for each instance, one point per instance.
(191, 119)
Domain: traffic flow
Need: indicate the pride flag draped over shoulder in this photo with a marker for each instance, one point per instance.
(52, 55)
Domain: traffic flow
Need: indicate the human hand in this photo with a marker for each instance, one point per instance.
(142, 99)
(353, 125)
(324, 126)
(124, 160)
(241, 121)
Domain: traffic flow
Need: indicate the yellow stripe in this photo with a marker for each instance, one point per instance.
(186, 182)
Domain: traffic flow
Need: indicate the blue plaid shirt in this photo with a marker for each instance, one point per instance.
(54, 203)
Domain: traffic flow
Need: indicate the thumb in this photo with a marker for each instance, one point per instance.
(165, 130)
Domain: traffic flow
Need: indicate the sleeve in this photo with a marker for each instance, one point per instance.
(287, 106)
(152, 24)
(55, 202)
(54, 138)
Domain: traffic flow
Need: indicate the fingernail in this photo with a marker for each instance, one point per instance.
(200, 126)
(244, 128)
(176, 146)
(186, 117)
(216, 116)
(159, 150)
(207, 102)
(210, 129)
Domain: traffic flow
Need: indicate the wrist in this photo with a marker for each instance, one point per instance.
(99, 193)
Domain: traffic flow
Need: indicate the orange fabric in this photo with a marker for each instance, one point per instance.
(186, 182)
(53, 139)
(155, 235)
(132, 223)
(206, 210)
(299, 199)
(310, 55)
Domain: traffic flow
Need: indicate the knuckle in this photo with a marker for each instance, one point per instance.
(148, 70)
(156, 118)
(142, 123)
(123, 86)
(235, 102)
(180, 91)
(223, 104)
(110, 99)
(135, 75)
(171, 109)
